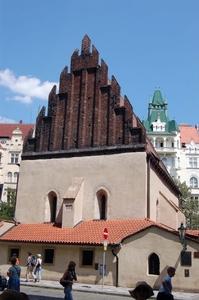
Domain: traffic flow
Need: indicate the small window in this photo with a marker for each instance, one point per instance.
(193, 183)
(87, 258)
(16, 176)
(9, 177)
(154, 264)
(14, 158)
(13, 251)
(68, 207)
(48, 256)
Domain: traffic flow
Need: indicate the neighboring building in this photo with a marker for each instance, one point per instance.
(164, 134)
(89, 166)
(11, 145)
(190, 158)
(177, 146)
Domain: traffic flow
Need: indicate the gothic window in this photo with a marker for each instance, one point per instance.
(102, 205)
(51, 207)
(154, 264)
(193, 182)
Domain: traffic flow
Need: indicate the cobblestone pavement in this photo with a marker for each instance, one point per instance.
(35, 293)
(46, 289)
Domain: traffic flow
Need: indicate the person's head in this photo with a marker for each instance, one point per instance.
(39, 255)
(72, 265)
(29, 253)
(142, 291)
(13, 260)
(171, 271)
(14, 255)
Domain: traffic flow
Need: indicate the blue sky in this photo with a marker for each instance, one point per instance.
(146, 44)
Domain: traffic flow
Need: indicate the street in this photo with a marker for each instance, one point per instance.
(38, 293)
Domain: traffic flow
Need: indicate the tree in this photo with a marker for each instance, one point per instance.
(7, 208)
(188, 205)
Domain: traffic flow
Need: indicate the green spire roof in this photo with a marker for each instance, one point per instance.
(157, 98)
(157, 109)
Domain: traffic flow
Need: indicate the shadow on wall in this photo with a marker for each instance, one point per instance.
(158, 281)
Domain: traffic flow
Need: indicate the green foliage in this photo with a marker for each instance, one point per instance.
(188, 205)
(7, 208)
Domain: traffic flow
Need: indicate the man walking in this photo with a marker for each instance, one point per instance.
(30, 267)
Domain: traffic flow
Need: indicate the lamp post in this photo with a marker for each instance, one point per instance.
(182, 231)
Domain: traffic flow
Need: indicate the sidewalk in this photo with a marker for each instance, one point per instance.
(112, 290)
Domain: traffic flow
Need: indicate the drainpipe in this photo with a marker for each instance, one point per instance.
(117, 263)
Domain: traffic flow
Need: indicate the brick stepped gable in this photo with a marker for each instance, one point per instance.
(87, 114)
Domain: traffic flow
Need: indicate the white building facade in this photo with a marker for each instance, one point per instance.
(177, 146)
(11, 145)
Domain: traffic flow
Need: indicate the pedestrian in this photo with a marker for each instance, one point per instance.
(14, 276)
(31, 262)
(37, 271)
(17, 260)
(67, 278)
(165, 291)
(142, 291)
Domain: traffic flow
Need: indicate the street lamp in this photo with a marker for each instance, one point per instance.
(182, 231)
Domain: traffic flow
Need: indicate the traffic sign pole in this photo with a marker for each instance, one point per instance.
(105, 243)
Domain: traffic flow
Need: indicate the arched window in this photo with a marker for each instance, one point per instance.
(51, 207)
(15, 176)
(193, 182)
(102, 204)
(164, 160)
(9, 177)
(154, 264)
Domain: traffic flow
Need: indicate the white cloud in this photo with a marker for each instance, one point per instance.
(5, 120)
(25, 88)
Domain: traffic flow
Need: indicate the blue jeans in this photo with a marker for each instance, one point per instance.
(38, 271)
(68, 293)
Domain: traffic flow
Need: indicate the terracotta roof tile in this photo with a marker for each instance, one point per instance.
(194, 233)
(6, 130)
(188, 133)
(87, 232)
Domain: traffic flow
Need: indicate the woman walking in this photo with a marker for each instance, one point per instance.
(37, 271)
(67, 279)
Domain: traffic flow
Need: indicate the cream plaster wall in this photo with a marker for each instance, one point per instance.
(161, 209)
(133, 260)
(122, 176)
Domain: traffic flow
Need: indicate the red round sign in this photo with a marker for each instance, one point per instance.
(105, 233)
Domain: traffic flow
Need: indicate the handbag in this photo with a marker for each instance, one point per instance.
(64, 284)
(68, 276)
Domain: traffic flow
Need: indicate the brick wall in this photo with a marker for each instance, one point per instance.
(88, 112)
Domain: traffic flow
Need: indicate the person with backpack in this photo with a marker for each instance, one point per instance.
(31, 263)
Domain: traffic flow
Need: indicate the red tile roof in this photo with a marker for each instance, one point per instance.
(194, 233)
(188, 133)
(6, 130)
(87, 232)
